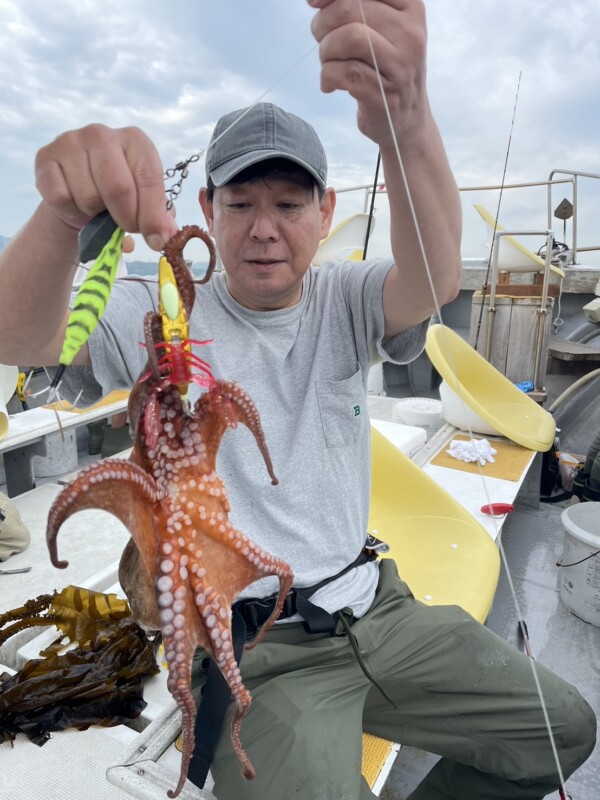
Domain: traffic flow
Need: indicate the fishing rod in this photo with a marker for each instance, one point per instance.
(493, 243)
(372, 208)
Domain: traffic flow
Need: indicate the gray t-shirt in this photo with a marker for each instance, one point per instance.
(306, 369)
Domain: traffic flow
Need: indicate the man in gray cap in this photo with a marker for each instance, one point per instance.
(301, 341)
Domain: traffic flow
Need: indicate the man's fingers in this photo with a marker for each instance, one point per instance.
(52, 183)
(94, 168)
(385, 47)
(354, 46)
(153, 220)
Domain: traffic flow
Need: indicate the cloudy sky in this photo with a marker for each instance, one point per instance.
(174, 67)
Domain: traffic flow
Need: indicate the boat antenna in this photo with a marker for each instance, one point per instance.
(502, 182)
(372, 208)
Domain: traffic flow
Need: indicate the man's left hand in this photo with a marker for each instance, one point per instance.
(396, 35)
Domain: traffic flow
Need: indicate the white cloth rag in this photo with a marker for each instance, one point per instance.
(473, 450)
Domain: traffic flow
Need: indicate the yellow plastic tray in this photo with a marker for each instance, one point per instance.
(442, 552)
(488, 392)
(114, 397)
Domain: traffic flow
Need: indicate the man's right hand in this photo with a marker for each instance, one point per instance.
(85, 171)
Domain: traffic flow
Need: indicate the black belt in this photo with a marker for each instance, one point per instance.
(256, 611)
(247, 617)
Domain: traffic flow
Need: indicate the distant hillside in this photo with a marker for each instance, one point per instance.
(143, 268)
(150, 268)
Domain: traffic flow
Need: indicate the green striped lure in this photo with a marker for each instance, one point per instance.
(92, 297)
(90, 302)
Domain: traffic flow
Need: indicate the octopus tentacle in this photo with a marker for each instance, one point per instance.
(153, 337)
(143, 390)
(179, 688)
(229, 400)
(236, 724)
(259, 564)
(121, 487)
(173, 251)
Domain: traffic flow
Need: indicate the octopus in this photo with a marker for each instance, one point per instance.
(185, 563)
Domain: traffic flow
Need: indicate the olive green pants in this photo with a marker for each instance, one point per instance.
(459, 691)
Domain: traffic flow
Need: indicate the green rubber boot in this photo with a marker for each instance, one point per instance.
(115, 440)
(95, 436)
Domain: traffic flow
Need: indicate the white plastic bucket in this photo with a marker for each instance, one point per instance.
(457, 413)
(579, 579)
(61, 455)
(567, 469)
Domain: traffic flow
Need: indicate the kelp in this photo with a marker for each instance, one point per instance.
(97, 681)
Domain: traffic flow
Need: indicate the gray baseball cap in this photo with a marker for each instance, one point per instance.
(249, 135)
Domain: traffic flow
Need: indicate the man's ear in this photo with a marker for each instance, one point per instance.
(207, 208)
(327, 208)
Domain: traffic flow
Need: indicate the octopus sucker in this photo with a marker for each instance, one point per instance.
(185, 563)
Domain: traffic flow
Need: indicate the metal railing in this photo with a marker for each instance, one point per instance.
(543, 306)
(572, 180)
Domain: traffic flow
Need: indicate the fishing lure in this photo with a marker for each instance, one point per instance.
(176, 363)
(170, 358)
(101, 239)
(89, 304)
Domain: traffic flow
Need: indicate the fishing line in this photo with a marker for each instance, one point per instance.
(267, 91)
(438, 311)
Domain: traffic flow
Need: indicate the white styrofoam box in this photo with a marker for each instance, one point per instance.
(592, 310)
(93, 538)
(406, 438)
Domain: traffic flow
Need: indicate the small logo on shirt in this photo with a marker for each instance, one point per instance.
(356, 410)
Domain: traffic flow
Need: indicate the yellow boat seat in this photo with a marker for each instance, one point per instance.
(345, 241)
(513, 256)
(487, 392)
(442, 552)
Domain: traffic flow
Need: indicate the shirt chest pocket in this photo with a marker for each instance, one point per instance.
(342, 409)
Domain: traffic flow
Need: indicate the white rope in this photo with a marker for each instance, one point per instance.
(439, 314)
